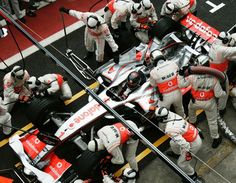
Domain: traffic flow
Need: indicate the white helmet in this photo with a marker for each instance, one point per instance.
(169, 8)
(146, 4)
(157, 57)
(182, 4)
(129, 173)
(162, 113)
(226, 38)
(96, 145)
(78, 181)
(33, 82)
(18, 72)
(136, 9)
(92, 21)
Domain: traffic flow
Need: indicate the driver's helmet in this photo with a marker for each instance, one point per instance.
(134, 80)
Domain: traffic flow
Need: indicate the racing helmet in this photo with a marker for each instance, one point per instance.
(96, 145)
(129, 174)
(92, 21)
(18, 72)
(78, 181)
(169, 8)
(161, 114)
(134, 80)
(226, 38)
(146, 4)
(136, 8)
(157, 57)
(182, 4)
(33, 82)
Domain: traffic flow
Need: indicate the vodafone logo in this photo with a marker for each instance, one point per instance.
(200, 27)
(202, 94)
(59, 165)
(170, 83)
(122, 128)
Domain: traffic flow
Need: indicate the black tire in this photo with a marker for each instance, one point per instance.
(39, 109)
(89, 164)
(164, 26)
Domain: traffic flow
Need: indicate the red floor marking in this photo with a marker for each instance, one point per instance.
(47, 22)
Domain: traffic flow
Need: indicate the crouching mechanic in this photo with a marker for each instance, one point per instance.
(112, 137)
(128, 176)
(164, 79)
(50, 84)
(184, 139)
(96, 31)
(143, 15)
(116, 13)
(15, 88)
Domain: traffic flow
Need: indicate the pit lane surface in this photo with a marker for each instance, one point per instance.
(38, 64)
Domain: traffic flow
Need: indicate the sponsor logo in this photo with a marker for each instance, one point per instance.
(200, 27)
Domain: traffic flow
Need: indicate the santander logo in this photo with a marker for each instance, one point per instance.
(200, 28)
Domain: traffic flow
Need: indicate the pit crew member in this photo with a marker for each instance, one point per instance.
(184, 139)
(116, 12)
(15, 88)
(97, 32)
(164, 79)
(50, 84)
(204, 89)
(177, 9)
(112, 137)
(221, 52)
(143, 15)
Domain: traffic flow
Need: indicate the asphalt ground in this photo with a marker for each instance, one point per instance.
(38, 64)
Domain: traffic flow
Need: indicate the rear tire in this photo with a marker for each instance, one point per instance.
(164, 26)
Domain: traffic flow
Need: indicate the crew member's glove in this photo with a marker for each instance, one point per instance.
(116, 58)
(63, 9)
(23, 98)
(188, 156)
(144, 26)
(182, 70)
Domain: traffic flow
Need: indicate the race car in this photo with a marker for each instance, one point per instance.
(41, 161)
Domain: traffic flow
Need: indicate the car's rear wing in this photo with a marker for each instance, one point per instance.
(200, 28)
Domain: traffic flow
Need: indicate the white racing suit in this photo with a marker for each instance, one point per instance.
(184, 138)
(13, 88)
(147, 17)
(220, 55)
(5, 118)
(97, 35)
(164, 78)
(117, 12)
(205, 89)
(182, 8)
(113, 137)
(54, 83)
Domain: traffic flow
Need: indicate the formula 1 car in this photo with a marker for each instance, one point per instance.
(45, 163)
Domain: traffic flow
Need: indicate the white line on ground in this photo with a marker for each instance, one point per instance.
(32, 49)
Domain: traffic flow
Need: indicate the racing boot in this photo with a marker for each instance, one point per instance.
(216, 142)
(88, 55)
(195, 178)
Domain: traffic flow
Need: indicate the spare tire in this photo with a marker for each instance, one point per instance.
(39, 109)
(164, 26)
